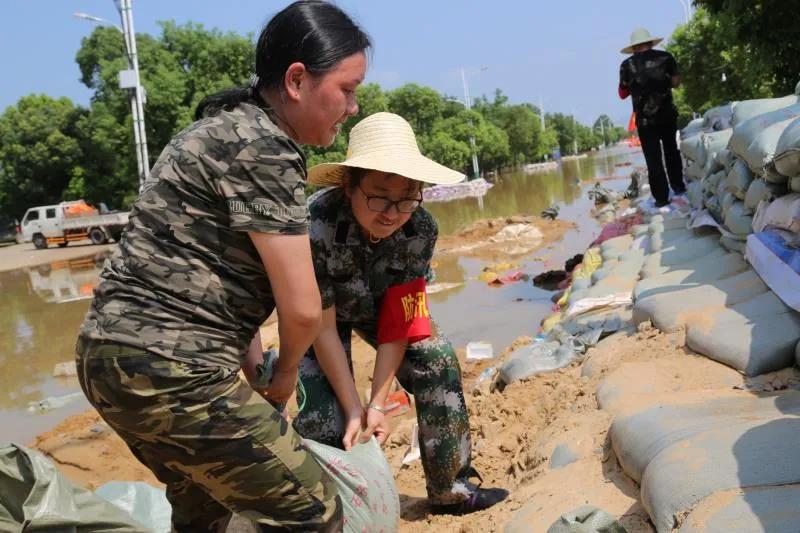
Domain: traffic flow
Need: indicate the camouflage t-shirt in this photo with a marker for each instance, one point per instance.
(354, 275)
(186, 281)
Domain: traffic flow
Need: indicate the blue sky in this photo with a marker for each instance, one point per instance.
(566, 52)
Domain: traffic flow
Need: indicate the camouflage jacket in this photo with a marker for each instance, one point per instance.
(352, 274)
(186, 281)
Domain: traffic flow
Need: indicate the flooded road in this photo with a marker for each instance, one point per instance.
(42, 307)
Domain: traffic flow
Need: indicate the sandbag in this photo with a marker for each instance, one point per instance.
(365, 483)
(690, 146)
(694, 127)
(683, 250)
(762, 150)
(794, 184)
(719, 118)
(756, 510)
(695, 171)
(701, 271)
(711, 183)
(760, 190)
(745, 133)
(727, 200)
(726, 158)
(712, 143)
(687, 452)
(739, 179)
(34, 496)
(787, 152)
(754, 337)
(737, 221)
(733, 244)
(694, 192)
(783, 213)
(679, 306)
(748, 109)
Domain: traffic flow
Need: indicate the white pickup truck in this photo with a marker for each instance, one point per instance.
(70, 221)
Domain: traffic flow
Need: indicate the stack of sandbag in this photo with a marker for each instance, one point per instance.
(760, 162)
(690, 281)
(714, 463)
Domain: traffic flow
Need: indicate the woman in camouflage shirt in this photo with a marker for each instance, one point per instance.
(217, 239)
(372, 244)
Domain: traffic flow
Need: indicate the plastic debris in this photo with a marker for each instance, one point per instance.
(467, 189)
(147, 505)
(53, 402)
(435, 288)
(478, 351)
(413, 453)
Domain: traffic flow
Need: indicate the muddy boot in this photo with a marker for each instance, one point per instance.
(479, 500)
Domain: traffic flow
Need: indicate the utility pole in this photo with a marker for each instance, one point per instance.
(574, 133)
(476, 173)
(541, 111)
(129, 79)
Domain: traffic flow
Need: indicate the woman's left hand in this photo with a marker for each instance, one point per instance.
(375, 423)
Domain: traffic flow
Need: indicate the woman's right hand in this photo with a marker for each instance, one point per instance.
(352, 428)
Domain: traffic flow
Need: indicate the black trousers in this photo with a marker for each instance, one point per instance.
(654, 137)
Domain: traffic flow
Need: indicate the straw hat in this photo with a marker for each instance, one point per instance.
(385, 142)
(640, 36)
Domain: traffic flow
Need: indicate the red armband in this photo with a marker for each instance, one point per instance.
(404, 313)
(624, 92)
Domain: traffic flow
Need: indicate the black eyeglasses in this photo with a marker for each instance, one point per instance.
(381, 204)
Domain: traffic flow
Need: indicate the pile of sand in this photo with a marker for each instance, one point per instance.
(496, 238)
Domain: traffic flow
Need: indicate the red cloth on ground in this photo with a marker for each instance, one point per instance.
(404, 313)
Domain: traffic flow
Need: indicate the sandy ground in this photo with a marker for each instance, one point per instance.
(514, 433)
(24, 255)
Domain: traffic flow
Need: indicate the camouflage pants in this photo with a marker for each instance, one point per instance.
(430, 371)
(216, 444)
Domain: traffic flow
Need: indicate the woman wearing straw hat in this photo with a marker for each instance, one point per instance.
(372, 244)
(649, 76)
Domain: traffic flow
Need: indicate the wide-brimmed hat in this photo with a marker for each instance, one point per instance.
(640, 36)
(385, 142)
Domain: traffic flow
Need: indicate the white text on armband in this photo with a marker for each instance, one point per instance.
(269, 209)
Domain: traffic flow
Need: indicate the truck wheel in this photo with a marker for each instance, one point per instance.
(63, 244)
(98, 236)
(39, 241)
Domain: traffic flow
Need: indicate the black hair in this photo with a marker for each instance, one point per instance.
(312, 32)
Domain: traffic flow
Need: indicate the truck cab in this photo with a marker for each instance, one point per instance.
(70, 221)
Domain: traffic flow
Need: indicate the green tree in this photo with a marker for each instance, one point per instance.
(420, 106)
(39, 152)
(179, 68)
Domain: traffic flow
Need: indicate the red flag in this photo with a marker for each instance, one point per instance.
(632, 122)
(404, 313)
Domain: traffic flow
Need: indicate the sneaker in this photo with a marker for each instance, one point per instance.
(479, 500)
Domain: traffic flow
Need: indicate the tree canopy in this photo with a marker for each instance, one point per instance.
(754, 44)
(53, 150)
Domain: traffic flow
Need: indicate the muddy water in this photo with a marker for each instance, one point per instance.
(475, 311)
(42, 307)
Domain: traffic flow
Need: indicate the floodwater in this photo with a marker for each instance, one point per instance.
(42, 307)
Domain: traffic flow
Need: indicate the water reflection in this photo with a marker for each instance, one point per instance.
(40, 312)
(521, 193)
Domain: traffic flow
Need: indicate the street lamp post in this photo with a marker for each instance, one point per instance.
(476, 173)
(129, 79)
(687, 9)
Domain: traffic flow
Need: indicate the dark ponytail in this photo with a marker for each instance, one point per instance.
(312, 32)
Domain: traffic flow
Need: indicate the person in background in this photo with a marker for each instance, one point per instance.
(372, 243)
(217, 239)
(648, 77)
